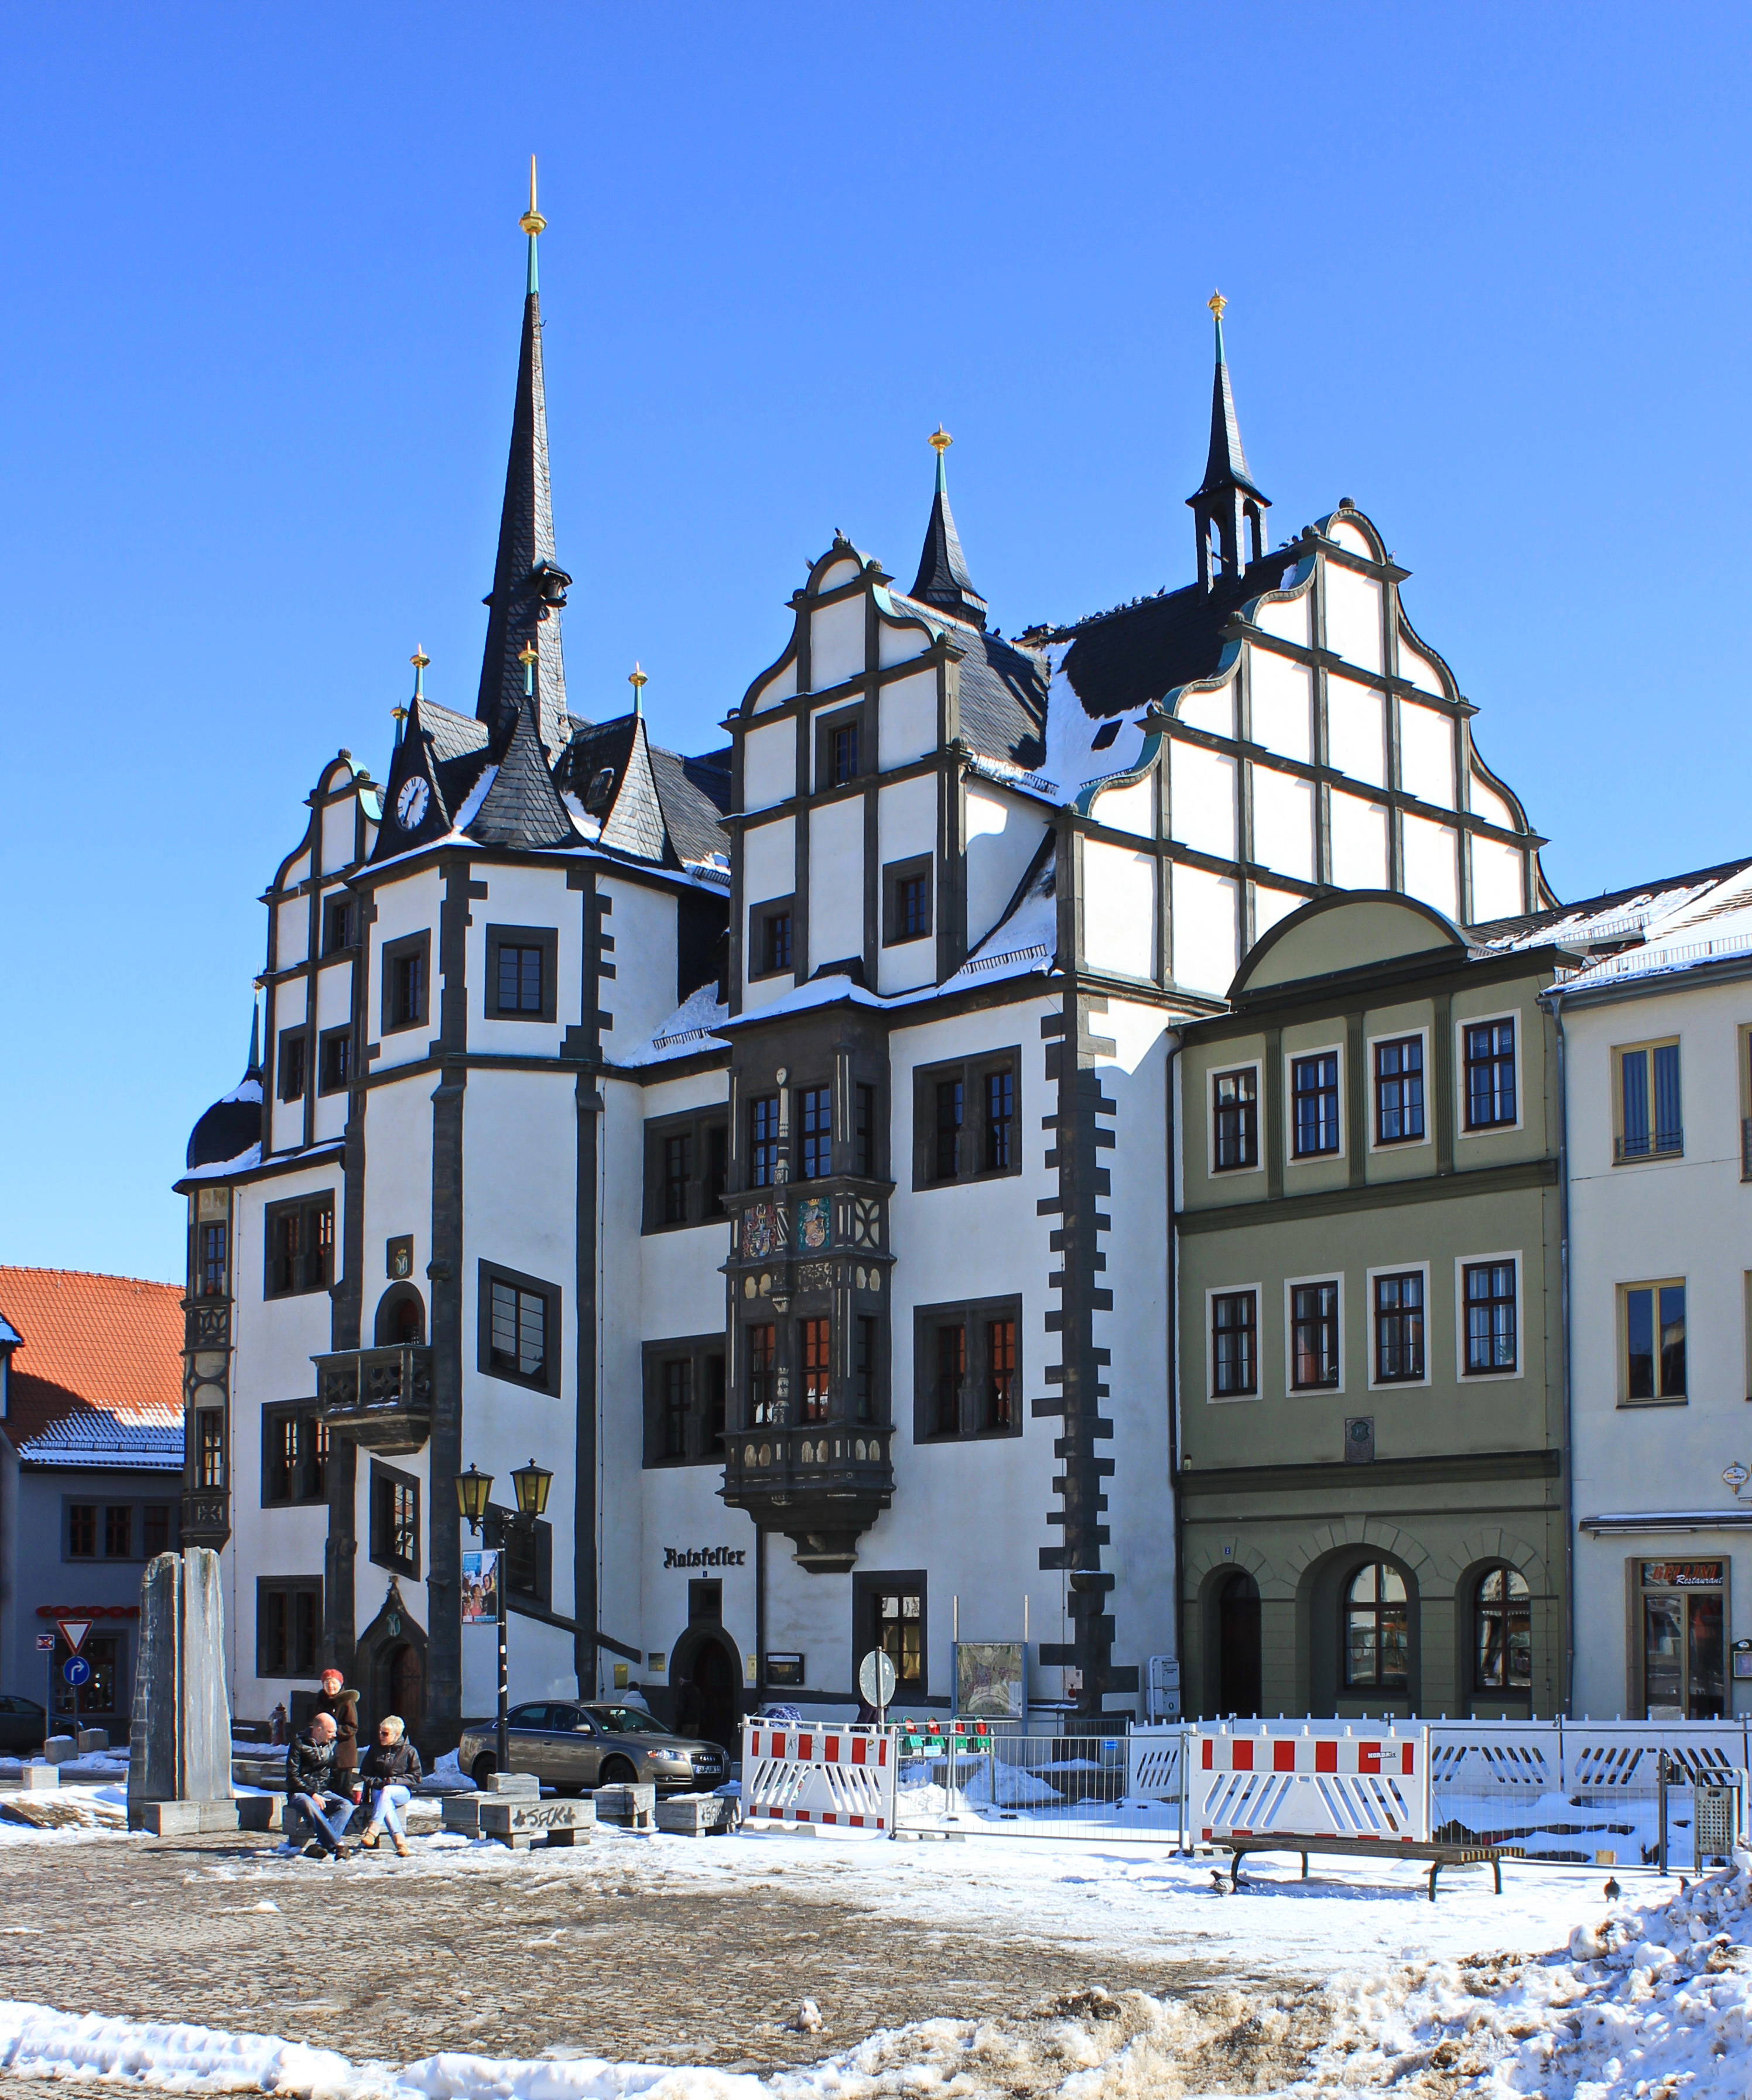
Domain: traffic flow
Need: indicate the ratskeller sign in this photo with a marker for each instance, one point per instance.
(705, 1556)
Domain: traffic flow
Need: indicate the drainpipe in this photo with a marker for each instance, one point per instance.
(1174, 1367)
(1556, 999)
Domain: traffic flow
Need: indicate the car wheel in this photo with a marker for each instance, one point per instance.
(618, 1772)
(482, 1769)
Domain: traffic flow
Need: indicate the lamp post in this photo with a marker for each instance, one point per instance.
(475, 1499)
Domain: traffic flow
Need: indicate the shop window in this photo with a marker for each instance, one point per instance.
(1399, 1090)
(298, 1238)
(1377, 1630)
(1235, 1115)
(966, 1120)
(1314, 1337)
(519, 1320)
(288, 1626)
(1492, 1318)
(394, 1519)
(1234, 1343)
(100, 1694)
(521, 967)
(1399, 1328)
(1649, 1124)
(405, 994)
(1651, 1347)
(1314, 1104)
(294, 1456)
(1683, 1658)
(1502, 1631)
(1490, 1089)
(968, 1370)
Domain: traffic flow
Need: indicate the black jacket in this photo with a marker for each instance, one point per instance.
(394, 1764)
(311, 1769)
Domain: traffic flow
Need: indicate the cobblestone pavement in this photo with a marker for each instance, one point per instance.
(592, 1952)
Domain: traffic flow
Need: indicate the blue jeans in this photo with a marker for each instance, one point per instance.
(386, 1804)
(331, 1813)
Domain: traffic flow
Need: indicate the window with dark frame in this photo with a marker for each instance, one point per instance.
(338, 919)
(717, 1173)
(1377, 1630)
(897, 1626)
(118, 1532)
(158, 1529)
(966, 1119)
(518, 1330)
(678, 1403)
(1491, 1341)
(1399, 1328)
(334, 1060)
(1314, 1091)
(758, 1339)
(1650, 1126)
(81, 1531)
(863, 1132)
(948, 1135)
(684, 1401)
(686, 1165)
(967, 1371)
(763, 1141)
(769, 947)
(1653, 1326)
(907, 901)
(394, 1519)
(715, 1407)
(1000, 1375)
(951, 1378)
(288, 1626)
(863, 1369)
(816, 1126)
(817, 1338)
(404, 982)
(1235, 1110)
(1314, 1337)
(1234, 1342)
(1000, 1119)
(678, 1176)
(1502, 1631)
(1399, 1090)
(1489, 1074)
(210, 1447)
(292, 1073)
(294, 1456)
(518, 979)
(842, 765)
(212, 1247)
(299, 1236)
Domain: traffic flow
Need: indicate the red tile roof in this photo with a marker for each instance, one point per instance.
(109, 1343)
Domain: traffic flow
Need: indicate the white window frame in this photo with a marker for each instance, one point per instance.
(1292, 1156)
(1376, 1383)
(1370, 1083)
(1461, 1262)
(1292, 1390)
(1213, 1073)
(1462, 1023)
(1213, 1398)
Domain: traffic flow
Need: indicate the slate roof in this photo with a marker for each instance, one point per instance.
(1226, 465)
(228, 1128)
(693, 794)
(100, 1370)
(942, 578)
(1003, 689)
(521, 808)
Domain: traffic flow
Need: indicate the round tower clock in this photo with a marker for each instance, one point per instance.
(410, 805)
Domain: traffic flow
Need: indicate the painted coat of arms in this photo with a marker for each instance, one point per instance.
(760, 1230)
(812, 1229)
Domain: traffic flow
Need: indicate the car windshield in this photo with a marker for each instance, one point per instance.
(627, 1721)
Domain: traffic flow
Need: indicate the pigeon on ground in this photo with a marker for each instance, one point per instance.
(808, 2020)
(1613, 1889)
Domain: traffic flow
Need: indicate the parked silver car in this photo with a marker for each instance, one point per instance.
(575, 1748)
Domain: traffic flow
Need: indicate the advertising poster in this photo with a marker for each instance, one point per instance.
(991, 1680)
(480, 1598)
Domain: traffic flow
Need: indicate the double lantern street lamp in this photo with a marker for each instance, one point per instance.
(475, 1499)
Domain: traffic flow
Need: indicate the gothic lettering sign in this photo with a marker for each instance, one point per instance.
(705, 1556)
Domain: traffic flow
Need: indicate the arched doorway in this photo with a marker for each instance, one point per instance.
(400, 1317)
(402, 1670)
(705, 1688)
(1237, 1645)
(390, 1664)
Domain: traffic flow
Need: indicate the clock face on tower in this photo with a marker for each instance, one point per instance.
(410, 805)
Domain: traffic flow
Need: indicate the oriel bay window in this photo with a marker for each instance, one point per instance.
(1234, 1343)
(968, 1370)
(763, 1141)
(815, 1339)
(517, 1319)
(1399, 1328)
(1652, 1347)
(1490, 1091)
(1399, 1090)
(1314, 1337)
(1649, 1123)
(300, 1246)
(210, 1447)
(1314, 1104)
(815, 1132)
(1488, 1296)
(965, 1120)
(759, 1342)
(1235, 1116)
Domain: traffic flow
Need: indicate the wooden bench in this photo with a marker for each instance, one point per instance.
(1438, 1854)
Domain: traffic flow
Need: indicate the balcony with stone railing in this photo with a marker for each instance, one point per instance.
(382, 1398)
(823, 1485)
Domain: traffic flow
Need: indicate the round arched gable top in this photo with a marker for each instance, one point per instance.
(1347, 527)
(1351, 929)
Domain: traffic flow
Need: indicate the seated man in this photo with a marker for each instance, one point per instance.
(389, 1774)
(310, 1783)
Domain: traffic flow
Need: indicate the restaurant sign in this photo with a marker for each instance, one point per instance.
(1682, 1574)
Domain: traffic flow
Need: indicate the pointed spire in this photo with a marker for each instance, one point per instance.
(253, 1070)
(529, 587)
(942, 578)
(1229, 506)
(419, 659)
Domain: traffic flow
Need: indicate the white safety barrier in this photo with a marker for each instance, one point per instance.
(1311, 1781)
(1155, 1764)
(840, 1775)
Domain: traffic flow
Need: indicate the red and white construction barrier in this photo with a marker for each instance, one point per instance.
(839, 1775)
(1309, 1783)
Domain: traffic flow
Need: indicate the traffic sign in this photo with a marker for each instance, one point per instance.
(73, 1632)
(77, 1670)
(877, 1680)
(45, 1644)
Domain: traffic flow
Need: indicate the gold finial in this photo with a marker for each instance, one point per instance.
(531, 221)
(398, 714)
(1216, 302)
(528, 653)
(419, 659)
(941, 441)
(637, 679)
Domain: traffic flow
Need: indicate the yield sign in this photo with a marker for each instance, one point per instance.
(73, 1631)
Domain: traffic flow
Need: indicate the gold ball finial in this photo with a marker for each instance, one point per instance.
(398, 714)
(528, 653)
(1216, 302)
(419, 659)
(941, 441)
(637, 679)
(531, 221)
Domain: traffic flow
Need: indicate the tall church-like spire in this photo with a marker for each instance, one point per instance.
(943, 579)
(1229, 508)
(529, 587)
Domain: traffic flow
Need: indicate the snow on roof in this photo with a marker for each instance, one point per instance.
(692, 1026)
(102, 1351)
(150, 1440)
(1022, 944)
(222, 1169)
(1683, 929)
(10, 1337)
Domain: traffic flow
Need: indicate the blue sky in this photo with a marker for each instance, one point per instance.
(259, 285)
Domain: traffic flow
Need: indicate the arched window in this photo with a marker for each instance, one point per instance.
(1377, 1630)
(1501, 1632)
(400, 1317)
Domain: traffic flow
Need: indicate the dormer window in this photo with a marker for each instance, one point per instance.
(1105, 735)
(602, 786)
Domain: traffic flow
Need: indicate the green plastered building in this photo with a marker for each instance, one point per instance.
(1371, 1435)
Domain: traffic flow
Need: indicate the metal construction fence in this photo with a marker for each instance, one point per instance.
(1572, 1790)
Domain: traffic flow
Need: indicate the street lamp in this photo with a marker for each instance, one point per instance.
(475, 1499)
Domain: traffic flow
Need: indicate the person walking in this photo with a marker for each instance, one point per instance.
(310, 1783)
(341, 1703)
(388, 1774)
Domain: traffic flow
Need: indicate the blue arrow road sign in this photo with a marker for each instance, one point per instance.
(77, 1670)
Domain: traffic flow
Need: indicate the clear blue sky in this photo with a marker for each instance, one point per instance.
(259, 278)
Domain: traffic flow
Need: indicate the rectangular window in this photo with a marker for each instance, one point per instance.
(1314, 1336)
(521, 966)
(687, 1164)
(211, 1260)
(158, 1530)
(394, 1519)
(334, 1060)
(1399, 1328)
(763, 1141)
(292, 1043)
(1314, 1087)
(118, 1532)
(715, 1417)
(967, 1120)
(294, 1456)
(678, 1176)
(889, 1613)
(1489, 1074)
(863, 1132)
(815, 1121)
(1235, 1110)
(1399, 1092)
(1684, 1658)
(1491, 1342)
(300, 1244)
(1652, 1323)
(863, 1369)
(337, 925)
(1234, 1342)
(817, 1338)
(1000, 1119)
(210, 1447)
(1000, 1375)
(529, 1560)
(948, 1136)
(288, 1627)
(1649, 1123)
(759, 1340)
(405, 989)
(81, 1531)
(844, 766)
(967, 1370)
(518, 1324)
(770, 938)
(952, 1379)
(677, 1404)
(716, 1175)
(839, 749)
(684, 1401)
(905, 901)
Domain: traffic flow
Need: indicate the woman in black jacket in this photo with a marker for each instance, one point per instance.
(389, 1773)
